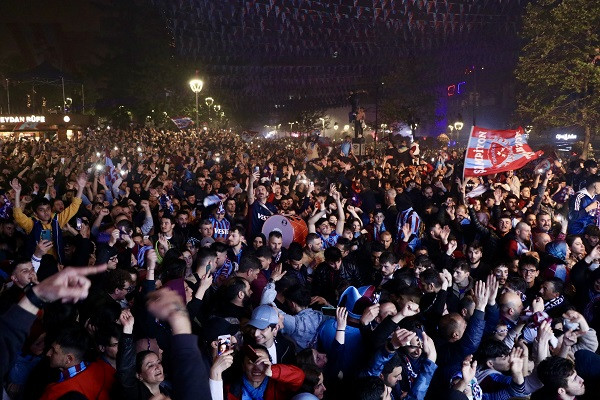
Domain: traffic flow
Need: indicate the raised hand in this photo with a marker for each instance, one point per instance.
(452, 245)
(498, 196)
(445, 234)
(481, 295)
(126, 319)
(81, 180)
(370, 314)
(205, 281)
(537, 305)
(429, 347)
(341, 317)
(469, 368)
(114, 236)
(15, 185)
(446, 279)
(278, 272)
(401, 338)
(492, 286)
(517, 362)
(544, 333)
(220, 364)
(406, 231)
(145, 204)
(167, 305)
(42, 248)
(267, 363)
(575, 317)
(409, 309)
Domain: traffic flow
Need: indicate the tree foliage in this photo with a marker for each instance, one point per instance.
(560, 83)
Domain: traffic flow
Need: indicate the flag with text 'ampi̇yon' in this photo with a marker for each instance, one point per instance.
(491, 151)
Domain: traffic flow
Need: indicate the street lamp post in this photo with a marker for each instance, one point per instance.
(292, 126)
(458, 125)
(323, 121)
(209, 102)
(217, 108)
(413, 127)
(196, 86)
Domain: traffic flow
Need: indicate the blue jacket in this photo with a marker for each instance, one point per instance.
(421, 384)
(579, 218)
(353, 346)
(451, 355)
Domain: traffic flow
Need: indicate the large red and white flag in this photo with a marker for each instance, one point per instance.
(492, 151)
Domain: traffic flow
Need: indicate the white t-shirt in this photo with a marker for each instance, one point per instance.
(273, 353)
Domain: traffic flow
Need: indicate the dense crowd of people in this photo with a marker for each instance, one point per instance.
(135, 265)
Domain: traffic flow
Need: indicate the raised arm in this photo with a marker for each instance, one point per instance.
(313, 220)
(17, 188)
(339, 228)
(254, 177)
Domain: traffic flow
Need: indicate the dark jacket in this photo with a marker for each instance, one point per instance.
(14, 328)
(285, 351)
(326, 280)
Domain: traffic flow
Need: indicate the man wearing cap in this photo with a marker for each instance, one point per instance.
(265, 324)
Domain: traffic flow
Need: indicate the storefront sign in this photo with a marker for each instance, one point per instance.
(15, 119)
(566, 136)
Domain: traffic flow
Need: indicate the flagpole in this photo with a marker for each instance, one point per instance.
(466, 152)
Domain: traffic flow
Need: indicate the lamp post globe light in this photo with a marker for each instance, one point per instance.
(209, 102)
(196, 86)
(458, 125)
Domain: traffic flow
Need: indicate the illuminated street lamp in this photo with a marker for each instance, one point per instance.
(217, 108)
(458, 125)
(209, 102)
(336, 126)
(414, 124)
(196, 86)
(346, 128)
(323, 121)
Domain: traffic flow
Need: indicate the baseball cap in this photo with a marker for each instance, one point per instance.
(206, 242)
(264, 316)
